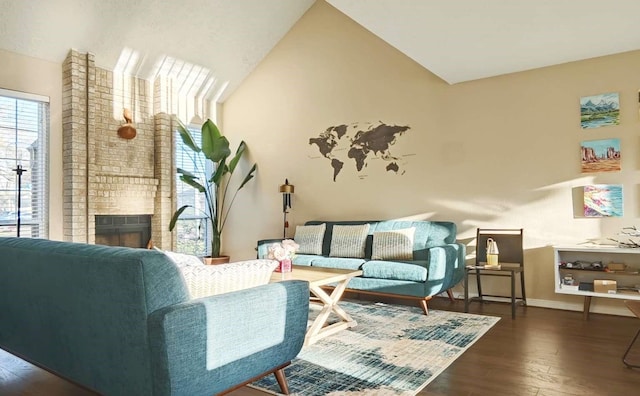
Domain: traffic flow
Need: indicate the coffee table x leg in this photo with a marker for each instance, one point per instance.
(329, 304)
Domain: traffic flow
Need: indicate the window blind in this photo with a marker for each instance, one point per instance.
(193, 234)
(24, 132)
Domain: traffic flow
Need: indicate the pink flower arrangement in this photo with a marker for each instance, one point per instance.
(285, 250)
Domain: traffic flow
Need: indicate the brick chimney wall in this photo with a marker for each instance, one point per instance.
(105, 174)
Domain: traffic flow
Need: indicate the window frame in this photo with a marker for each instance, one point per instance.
(35, 188)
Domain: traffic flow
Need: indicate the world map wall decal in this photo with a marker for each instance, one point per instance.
(361, 142)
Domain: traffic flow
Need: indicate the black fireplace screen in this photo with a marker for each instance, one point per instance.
(131, 231)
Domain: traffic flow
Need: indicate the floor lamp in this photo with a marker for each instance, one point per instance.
(286, 189)
(19, 171)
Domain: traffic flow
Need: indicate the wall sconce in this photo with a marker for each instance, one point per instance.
(286, 189)
(127, 130)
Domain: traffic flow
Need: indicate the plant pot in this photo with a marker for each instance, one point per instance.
(216, 260)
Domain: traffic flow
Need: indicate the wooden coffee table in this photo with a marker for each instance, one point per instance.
(318, 277)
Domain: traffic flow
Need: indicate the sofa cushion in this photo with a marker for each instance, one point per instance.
(208, 280)
(310, 238)
(415, 271)
(337, 262)
(349, 240)
(393, 245)
(303, 259)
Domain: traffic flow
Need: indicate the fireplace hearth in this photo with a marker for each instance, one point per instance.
(130, 231)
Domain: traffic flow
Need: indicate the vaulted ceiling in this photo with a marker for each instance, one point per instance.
(458, 40)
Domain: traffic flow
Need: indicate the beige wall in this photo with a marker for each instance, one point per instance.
(499, 152)
(36, 76)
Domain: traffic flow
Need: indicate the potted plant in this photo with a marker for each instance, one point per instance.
(215, 148)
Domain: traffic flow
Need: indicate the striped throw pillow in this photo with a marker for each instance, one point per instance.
(393, 245)
(310, 238)
(349, 240)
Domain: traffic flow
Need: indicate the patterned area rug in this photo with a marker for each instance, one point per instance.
(394, 350)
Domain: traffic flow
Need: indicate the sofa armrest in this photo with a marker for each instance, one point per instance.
(205, 346)
(446, 267)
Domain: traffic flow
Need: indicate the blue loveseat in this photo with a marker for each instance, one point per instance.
(437, 264)
(120, 321)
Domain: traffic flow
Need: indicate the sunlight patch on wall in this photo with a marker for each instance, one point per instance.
(125, 89)
(195, 88)
(190, 91)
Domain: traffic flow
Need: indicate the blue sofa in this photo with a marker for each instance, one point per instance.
(119, 321)
(437, 265)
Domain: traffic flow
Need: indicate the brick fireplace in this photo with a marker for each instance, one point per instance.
(105, 174)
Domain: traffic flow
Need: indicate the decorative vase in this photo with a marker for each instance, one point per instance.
(284, 266)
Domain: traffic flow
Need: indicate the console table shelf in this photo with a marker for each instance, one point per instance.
(626, 280)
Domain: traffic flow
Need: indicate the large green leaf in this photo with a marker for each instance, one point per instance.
(187, 138)
(177, 214)
(249, 175)
(234, 161)
(185, 172)
(191, 180)
(214, 146)
(221, 170)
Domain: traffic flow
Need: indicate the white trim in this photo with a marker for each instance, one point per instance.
(23, 95)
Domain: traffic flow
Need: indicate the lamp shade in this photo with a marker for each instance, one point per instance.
(287, 188)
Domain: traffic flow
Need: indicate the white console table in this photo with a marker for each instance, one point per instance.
(627, 280)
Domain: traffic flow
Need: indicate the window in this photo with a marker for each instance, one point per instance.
(192, 227)
(24, 131)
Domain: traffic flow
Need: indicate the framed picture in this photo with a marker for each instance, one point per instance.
(600, 110)
(600, 155)
(603, 200)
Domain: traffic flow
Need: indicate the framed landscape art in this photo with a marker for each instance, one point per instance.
(601, 155)
(600, 110)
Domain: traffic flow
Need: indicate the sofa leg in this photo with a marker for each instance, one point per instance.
(423, 305)
(278, 372)
(450, 294)
(282, 381)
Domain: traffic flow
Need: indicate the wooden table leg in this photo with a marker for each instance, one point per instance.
(466, 290)
(513, 295)
(318, 329)
(587, 307)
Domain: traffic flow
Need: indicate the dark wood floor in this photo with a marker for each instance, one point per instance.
(543, 352)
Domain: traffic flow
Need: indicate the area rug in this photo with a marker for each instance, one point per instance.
(394, 350)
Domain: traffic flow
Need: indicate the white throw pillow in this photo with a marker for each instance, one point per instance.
(209, 280)
(393, 244)
(349, 240)
(182, 259)
(310, 238)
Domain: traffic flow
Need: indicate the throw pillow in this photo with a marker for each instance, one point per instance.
(310, 238)
(209, 280)
(182, 259)
(393, 244)
(349, 240)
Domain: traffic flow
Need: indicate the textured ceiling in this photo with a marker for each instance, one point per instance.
(463, 40)
(458, 40)
(229, 37)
